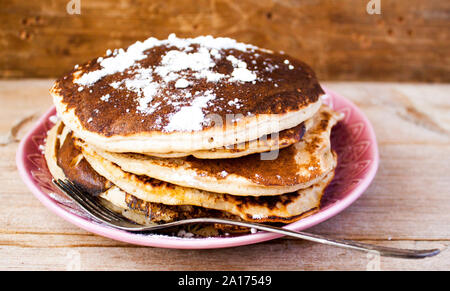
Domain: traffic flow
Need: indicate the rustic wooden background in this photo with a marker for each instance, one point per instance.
(408, 41)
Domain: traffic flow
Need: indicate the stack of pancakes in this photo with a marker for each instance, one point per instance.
(201, 127)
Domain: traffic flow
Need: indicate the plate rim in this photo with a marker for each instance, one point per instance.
(164, 241)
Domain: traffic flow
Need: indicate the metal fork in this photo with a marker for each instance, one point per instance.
(102, 214)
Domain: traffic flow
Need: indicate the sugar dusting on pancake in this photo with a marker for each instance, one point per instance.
(155, 84)
(177, 65)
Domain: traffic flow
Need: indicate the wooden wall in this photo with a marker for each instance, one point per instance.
(408, 41)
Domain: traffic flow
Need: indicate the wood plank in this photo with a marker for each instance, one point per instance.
(340, 40)
(274, 255)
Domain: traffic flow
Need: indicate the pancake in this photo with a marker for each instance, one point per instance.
(286, 208)
(185, 95)
(271, 142)
(161, 201)
(65, 161)
(296, 167)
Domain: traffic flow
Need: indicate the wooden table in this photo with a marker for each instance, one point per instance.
(407, 205)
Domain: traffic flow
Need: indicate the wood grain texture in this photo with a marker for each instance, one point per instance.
(408, 41)
(407, 205)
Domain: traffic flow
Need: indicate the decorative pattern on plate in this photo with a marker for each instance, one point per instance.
(353, 140)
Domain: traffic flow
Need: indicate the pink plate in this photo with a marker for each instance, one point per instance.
(353, 139)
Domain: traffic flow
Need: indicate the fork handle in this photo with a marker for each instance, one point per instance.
(349, 244)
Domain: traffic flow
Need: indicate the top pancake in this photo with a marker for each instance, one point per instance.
(184, 95)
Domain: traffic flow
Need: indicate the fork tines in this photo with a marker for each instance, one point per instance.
(87, 201)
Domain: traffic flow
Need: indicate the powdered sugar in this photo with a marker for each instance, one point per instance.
(240, 72)
(119, 62)
(243, 75)
(115, 85)
(235, 103)
(143, 86)
(190, 118)
(105, 97)
(182, 83)
(176, 59)
(200, 63)
(145, 105)
(185, 62)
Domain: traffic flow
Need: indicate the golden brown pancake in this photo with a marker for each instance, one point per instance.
(184, 95)
(75, 168)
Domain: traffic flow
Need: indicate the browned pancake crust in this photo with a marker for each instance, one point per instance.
(288, 90)
(81, 173)
(77, 169)
(282, 171)
(158, 212)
